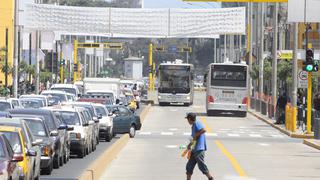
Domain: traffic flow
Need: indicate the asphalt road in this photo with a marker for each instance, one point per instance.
(238, 148)
(76, 166)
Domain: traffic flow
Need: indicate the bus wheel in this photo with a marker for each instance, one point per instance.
(186, 104)
(162, 104)
(212, 113)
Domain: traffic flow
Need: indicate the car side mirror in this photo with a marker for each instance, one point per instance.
(17, 158)
(99, 116)
(70, 128)
(62, 127)
(37, 142)
(110, 114)
(31, 152)
(54, 133)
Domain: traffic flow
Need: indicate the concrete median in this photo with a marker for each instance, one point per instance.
(97, 168)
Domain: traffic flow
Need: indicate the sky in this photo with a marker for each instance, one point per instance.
(178, 4)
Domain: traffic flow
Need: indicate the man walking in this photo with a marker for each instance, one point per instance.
(198, 147)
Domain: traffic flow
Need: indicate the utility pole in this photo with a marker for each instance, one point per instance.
(250, 30)
(275, 58)
(295, 73)
(37, 77)
(261, 67)
(225, 48)
(85, 61)
(187, 51)
(6, 61)
(16, 41)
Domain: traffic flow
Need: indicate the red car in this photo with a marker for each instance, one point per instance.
(8, 163)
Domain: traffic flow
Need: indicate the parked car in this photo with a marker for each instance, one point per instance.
(40, 130)
(8, 162)
(105, 123)
(61, 94)
(124, 121)
(31, 141)
(93, 114)
(81, 136)
(58, 130)
(24, 155)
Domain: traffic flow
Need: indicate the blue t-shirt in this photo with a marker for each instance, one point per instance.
(201, 141)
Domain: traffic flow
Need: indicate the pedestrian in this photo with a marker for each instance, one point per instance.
(281, 105)
(200, 146)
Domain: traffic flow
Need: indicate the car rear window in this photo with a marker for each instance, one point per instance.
(70, 118)
(37, 128)
(14, 140)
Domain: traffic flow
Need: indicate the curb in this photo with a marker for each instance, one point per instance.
(311, 144)
(284, 131)
(97, 168)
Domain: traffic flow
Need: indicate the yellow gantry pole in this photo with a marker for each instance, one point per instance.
(309, 103)
(75, 70)
(61, 68)
(154, 75)
(150, 68)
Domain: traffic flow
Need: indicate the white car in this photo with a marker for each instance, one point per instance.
(61, 94)
(34, 96)
(69, 88)
(81, 135)
(105, 122)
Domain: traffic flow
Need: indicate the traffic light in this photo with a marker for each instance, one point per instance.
(75, 67)
(62, 62)
(159, 49)
(309, 65)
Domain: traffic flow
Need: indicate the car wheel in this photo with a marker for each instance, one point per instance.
(82, 153)
(61, 159)
(132, 131)
(65, 157)
(56, 162)
(47, 170)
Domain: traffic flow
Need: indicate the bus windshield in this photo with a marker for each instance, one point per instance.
(228, 75)
(175, 80)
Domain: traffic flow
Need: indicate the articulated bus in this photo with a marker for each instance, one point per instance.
(175, 84)
(227, 88)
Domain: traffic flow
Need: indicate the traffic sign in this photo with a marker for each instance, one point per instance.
(302, 79)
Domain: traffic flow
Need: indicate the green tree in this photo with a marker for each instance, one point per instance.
(45, 76)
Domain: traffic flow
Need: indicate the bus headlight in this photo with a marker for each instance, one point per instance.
(159, 97)
(188, 97)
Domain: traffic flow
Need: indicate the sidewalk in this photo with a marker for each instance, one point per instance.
(281, 127)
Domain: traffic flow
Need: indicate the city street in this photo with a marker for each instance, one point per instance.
(237, 147)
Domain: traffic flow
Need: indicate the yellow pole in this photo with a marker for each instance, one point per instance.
(309, 103)
(150, 68)
(294, 119)
(154, 76)
(75, 50)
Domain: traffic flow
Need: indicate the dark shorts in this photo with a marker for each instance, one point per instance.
(197, 158)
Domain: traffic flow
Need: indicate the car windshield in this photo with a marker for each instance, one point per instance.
(2, 148)
(68, 90)
(4, 106)
(28, 103)
(14, 140)
(70, 118)
(37, 128)
(100, 110)
(62, 97)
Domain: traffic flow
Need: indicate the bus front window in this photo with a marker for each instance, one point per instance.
(174, 81)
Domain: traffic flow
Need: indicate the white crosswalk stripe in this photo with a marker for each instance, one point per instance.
(255, 135)
(233, 135)
(167, 133)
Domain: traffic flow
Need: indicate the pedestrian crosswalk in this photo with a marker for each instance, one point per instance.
(219, 133)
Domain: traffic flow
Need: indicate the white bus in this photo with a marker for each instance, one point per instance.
(175, 84)
(227, 88)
